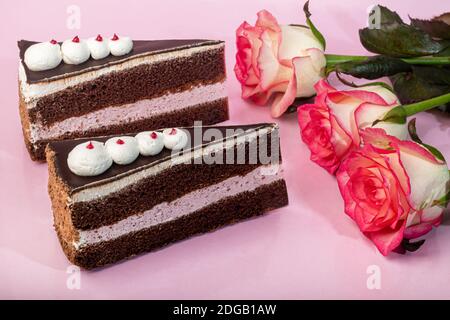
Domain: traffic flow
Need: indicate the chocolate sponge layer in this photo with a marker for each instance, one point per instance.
(165, 186)
(176, 182)
(209, 113)
(144, 191)
(145, 81)
(227, 211)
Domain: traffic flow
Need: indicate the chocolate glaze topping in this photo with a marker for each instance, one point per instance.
(140, 47)
(75, 182)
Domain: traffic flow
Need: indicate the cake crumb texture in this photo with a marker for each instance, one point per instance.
(209, 113)
(145, 81)
(225, 212)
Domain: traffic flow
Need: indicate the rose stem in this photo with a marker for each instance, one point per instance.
(413, 108)
(333, 59)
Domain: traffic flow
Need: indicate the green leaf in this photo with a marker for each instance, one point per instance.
(416, 86)
(412, 246)
(433, 75)
(395, 115)
(397, 39)
(415, 137)
(299, 102)
(387, 17)
(299, 25)
(413, 131)
(436, 27)
(401, 41)
(444, 53)
(444, 201)
(434, 151)
(313, 28)
(373, 67)
(354, 85)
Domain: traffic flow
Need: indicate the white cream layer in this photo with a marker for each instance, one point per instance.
(127, 113)
(185, 205)
(102, 190)
(32, 92)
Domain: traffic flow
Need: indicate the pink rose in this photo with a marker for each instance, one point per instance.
(390, 188)
(330, 127)
(277, 61)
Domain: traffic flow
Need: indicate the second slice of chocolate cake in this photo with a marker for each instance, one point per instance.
(172, 184)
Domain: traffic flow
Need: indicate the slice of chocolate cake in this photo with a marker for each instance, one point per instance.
(83, 88)
(118, 196)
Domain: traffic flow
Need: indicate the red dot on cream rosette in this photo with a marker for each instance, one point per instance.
(150, 142)
(120, 45)
(98, 46)
(75, 51)
(123, 150)
(89, 159)
(175, 139)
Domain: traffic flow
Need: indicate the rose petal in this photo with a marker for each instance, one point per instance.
(295, 40)
(283, 101)
(248, 44)
(367, 113)
(432, 215)
(309, 69)
(326, 140)
(428, 176)
(387, 95)
(428, 179)
(387, 240)
(267, 21)
(344, 112)
(373, 196)
(322, 87)
(379, 139)
(271, 71)
(360, 94)
(417, 231)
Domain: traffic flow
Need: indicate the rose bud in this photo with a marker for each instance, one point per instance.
(330, 127)
(277, 61)
(394, 190)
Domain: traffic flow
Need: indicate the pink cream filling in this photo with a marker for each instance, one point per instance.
(127, 113)
(185, 205)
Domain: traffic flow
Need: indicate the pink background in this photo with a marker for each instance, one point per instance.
(309, 249)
